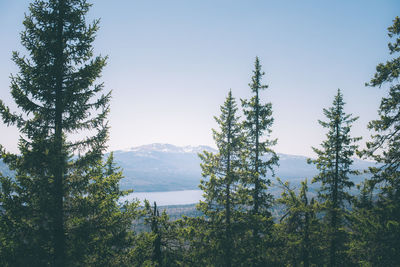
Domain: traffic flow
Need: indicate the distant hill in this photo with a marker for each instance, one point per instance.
(160, 167)
(165, 167)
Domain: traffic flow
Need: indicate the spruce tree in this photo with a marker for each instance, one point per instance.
(383, 217)
(334, 160)
(261, 160)
(223, 203)
(56, 93)
(257, 125)
(98, 226)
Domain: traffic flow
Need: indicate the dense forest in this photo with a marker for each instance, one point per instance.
(60, 205)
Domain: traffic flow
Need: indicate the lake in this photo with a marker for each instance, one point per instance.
(167, 198)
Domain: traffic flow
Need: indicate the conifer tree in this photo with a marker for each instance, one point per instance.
(334, 164)
(223, 203)
(257, 124)
(383, 216)
(299, 228)
(261, 160)
(98, 227)
(162, 242)
(364, 225)
(155, 229)
(56, 92)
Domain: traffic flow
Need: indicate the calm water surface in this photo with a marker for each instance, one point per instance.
(167, 198)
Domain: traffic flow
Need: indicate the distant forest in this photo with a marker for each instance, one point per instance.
(60, 207)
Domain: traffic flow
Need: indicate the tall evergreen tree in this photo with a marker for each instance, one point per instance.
(257, 124)
(55, 90)
(260, 159)
(223, 203)
(384, 215)
(334, 163)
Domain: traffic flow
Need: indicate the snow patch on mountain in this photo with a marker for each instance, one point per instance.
(167, 148)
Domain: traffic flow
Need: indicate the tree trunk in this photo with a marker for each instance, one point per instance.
(59, 232)
(335, 203)
(257, 182)
(228, 245)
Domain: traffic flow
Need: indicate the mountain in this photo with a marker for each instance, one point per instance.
(167, 148)
(160, 167)
(165, 167)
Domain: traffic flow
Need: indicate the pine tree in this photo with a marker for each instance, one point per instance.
(55, 90)
(260, 160)
(383, 236)
(223, 204)
(334, 163)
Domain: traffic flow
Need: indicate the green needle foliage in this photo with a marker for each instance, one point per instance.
(365, 227)
(334, 160)
(56, 94)
(380, 222)
(257, 125)
(154, 221)
(260, 160)
(299, 228)
(161, 245)
(223, 203)
(98, 227)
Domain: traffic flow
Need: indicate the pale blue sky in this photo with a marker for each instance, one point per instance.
(171, 64)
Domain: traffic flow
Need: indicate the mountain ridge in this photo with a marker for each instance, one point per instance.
(165, 147)
(166, 167)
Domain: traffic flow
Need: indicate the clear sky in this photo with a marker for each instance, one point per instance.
(171, 64)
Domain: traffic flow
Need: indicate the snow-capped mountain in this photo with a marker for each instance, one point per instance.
(160, 167)
(165, 167)
(167, 148)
